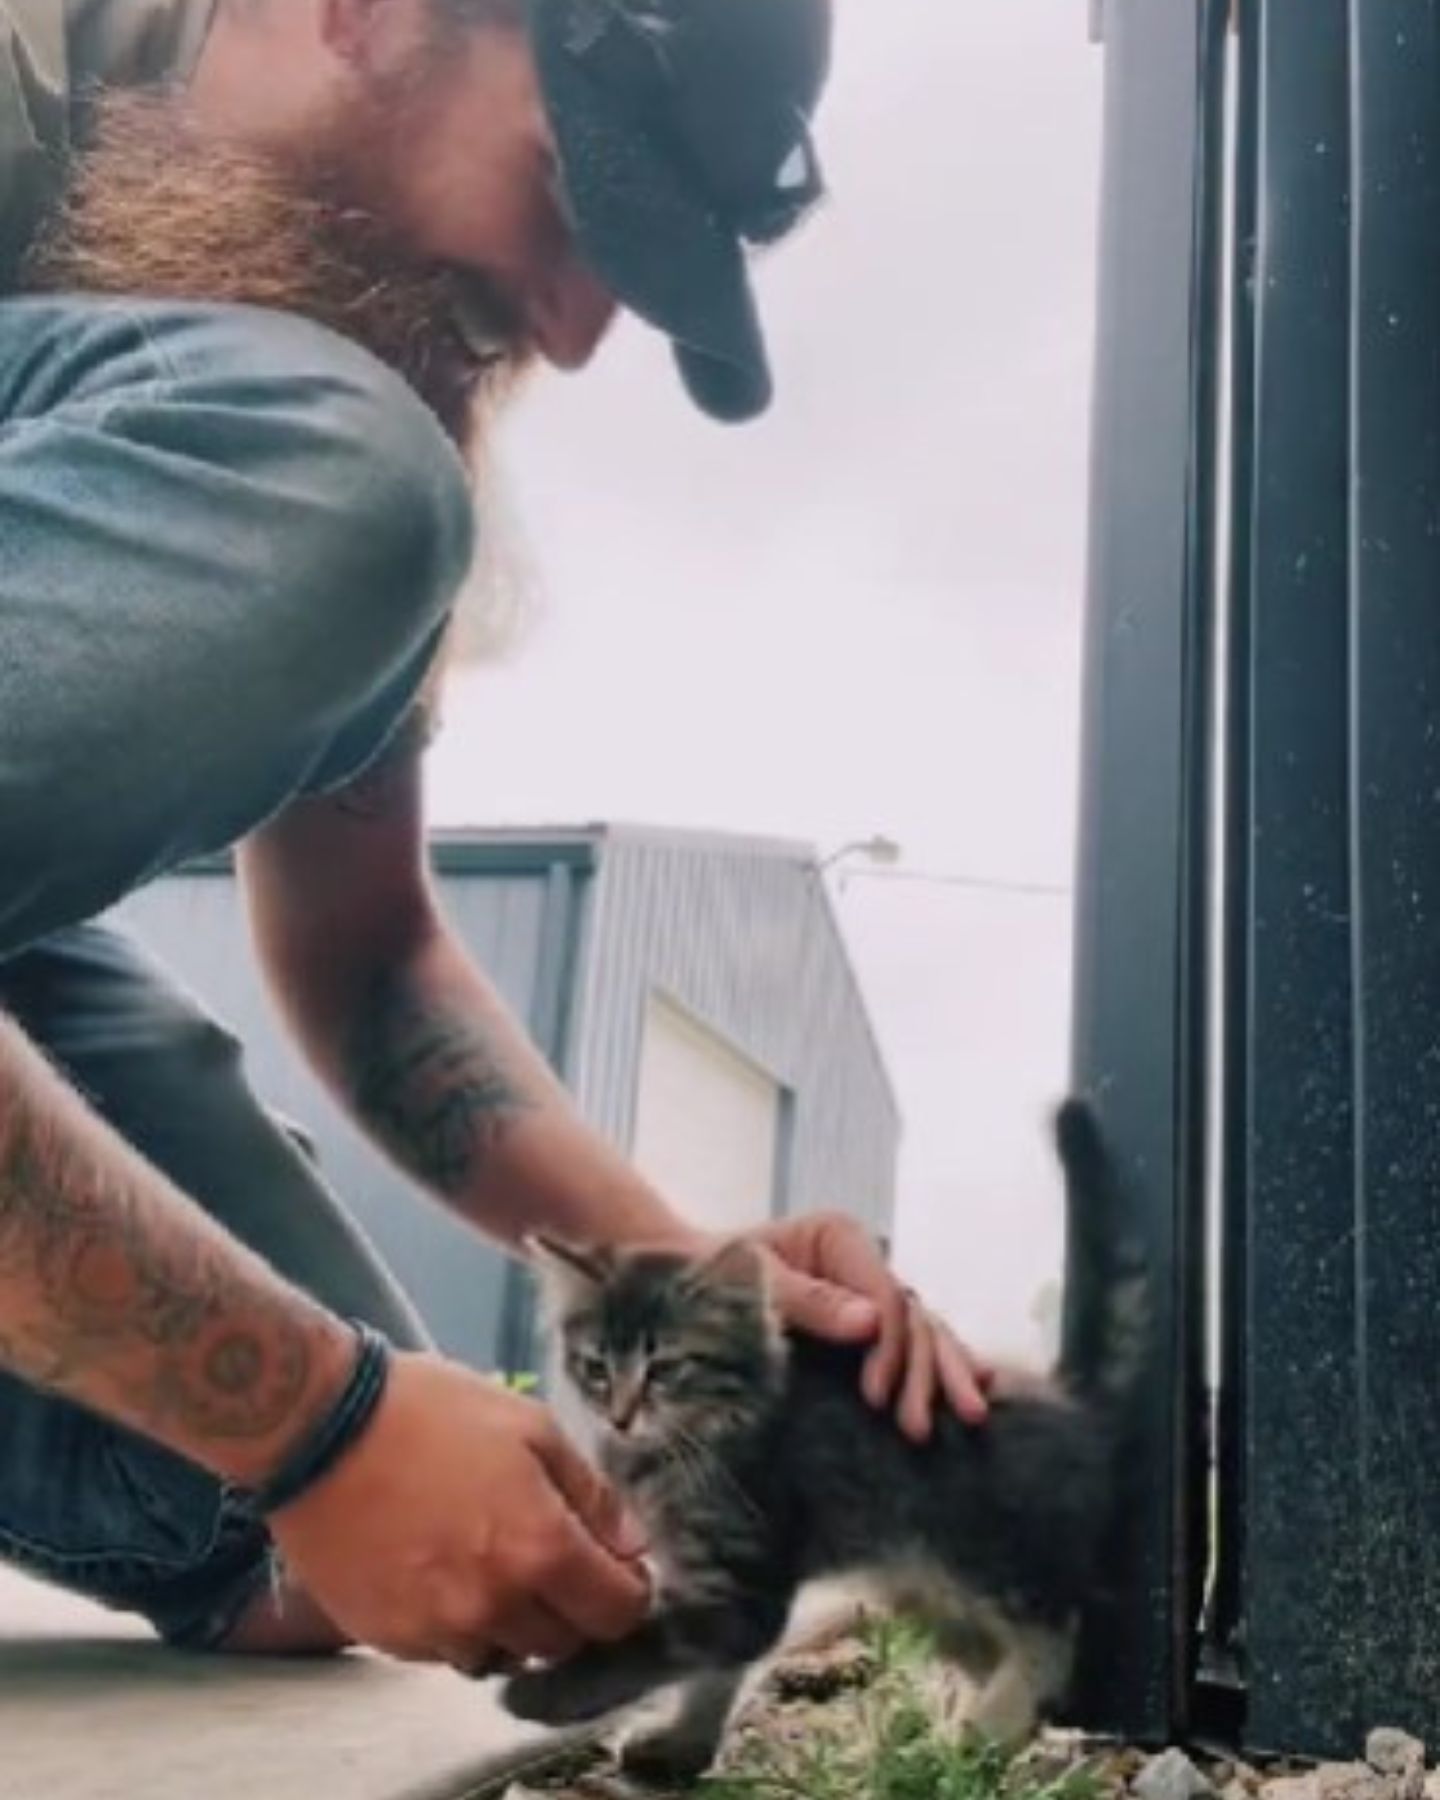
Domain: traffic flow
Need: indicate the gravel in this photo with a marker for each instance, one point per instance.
(1172, 1776)
(802, 1687)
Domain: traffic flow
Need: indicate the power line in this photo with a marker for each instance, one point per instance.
(983, 883)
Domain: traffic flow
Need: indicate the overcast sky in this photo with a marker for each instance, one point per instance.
(861, 615)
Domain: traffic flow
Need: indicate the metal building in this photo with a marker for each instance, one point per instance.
(692, 990)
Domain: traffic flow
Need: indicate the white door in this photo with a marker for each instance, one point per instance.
(707, 1122)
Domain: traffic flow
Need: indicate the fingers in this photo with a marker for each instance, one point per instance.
(591, 1589)
(822, 1309)
(920, 1353)
(524, 1626)
(963, 1379)
(832, 1282)
(917, 1393)
(528, 1631)
(846, 1255)
(886, 1361)
(592, 1499)
(594, 1593)
(825, 1265)
(479, 1665)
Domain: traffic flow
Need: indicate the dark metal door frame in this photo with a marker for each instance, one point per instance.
(1140, 989)
(1326, 1108)
(1339, 1570)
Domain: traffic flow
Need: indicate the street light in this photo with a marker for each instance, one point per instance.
(882, 851)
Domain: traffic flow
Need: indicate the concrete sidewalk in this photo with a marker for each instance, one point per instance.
(91, 1708)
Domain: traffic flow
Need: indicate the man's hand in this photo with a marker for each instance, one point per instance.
(829, 1279)
(463, 1528)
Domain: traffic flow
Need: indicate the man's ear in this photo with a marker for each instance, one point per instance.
(568, 1276)
(371, 37)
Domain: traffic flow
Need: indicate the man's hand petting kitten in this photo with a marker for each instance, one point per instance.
(830, 1280)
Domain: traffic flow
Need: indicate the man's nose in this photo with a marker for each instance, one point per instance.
(569, 314)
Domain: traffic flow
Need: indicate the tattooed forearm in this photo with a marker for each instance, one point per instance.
(431, 1082)
(116, 1291)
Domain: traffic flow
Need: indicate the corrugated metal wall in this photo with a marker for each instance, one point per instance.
(194, 923)
(744, 939)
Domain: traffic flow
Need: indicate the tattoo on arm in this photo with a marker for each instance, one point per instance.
(118, 1292)
(431, 1084)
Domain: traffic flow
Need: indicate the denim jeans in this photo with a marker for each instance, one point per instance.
(228, 544)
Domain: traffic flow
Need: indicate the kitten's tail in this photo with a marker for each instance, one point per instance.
(1107, 1296)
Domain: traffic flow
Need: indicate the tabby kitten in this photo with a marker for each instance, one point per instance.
(758, 1467)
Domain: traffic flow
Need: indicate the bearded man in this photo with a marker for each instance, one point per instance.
(266, 267)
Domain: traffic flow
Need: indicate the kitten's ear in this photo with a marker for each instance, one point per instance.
(567, 1275)
(737, 1263)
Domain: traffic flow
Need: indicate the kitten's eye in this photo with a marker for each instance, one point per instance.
(591, 1370)
(666, 1370)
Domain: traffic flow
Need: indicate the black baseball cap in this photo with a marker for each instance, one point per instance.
(682, 129)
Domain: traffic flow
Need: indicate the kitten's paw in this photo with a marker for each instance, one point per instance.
(667, 1757)
(537, 1697)
(1006, 1721)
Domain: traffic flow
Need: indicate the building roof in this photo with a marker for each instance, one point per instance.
(476, 848)
(594, 836)
(498, 849)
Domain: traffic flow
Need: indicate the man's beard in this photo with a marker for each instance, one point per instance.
(156, 207)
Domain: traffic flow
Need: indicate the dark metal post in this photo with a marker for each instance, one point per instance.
(1395, 747)
(1302, 1528)
(1140, 983)
(1341, 1565)
(1326, 1597)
